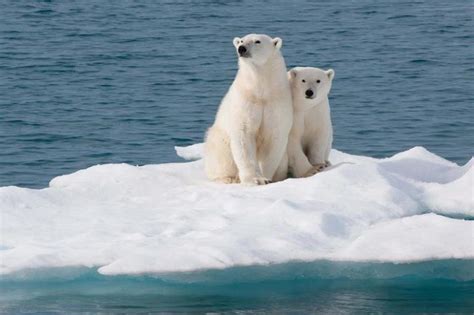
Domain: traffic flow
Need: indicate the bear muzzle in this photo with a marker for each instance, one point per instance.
(243, 52)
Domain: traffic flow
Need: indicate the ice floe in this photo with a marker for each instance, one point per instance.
(412, 207)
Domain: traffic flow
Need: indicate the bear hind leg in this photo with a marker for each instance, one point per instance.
(218, 161)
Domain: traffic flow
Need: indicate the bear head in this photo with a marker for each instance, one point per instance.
(256, 48)
(309, 85)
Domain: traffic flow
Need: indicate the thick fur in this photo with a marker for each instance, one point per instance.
(248, 140)
(311, 135)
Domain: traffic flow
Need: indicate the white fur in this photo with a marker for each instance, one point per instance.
(248, 139)
(310, 139)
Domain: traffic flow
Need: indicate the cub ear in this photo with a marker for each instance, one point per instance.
(330, 73)
(236, 41)
(277, 42)
(291, 74)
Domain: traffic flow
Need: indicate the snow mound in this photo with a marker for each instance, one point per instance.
(169, 218)
(192, 152)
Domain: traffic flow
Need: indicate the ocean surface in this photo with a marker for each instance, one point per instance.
(145, 296)
(95, 82)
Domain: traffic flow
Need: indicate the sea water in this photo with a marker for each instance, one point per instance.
(89, 82)
(85, 83)
(320, 296)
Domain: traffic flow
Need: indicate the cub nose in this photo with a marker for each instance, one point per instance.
(242, 50)
(309, 93)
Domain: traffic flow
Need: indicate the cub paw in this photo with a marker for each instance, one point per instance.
(261, 181)
(315, 169)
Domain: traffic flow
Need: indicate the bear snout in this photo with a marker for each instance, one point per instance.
(242, 50)
(309, 93)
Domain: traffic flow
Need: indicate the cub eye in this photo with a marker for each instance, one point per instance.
(318, 81)
(257, 42)
(303, 80)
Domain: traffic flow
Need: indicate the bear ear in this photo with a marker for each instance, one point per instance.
(277, 42)
(236, 41)
(291, 74)
(330, 73)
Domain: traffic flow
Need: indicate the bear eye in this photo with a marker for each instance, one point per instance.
(318, 81)
(303, 80)
(257, 42)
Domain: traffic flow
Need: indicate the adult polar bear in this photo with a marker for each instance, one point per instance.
(248, 140)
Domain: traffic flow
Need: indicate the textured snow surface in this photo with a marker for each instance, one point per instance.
(123, 219)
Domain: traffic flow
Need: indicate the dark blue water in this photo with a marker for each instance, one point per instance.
(89, 82)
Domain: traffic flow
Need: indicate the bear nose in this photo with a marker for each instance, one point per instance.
(242, 50)
(309, 93)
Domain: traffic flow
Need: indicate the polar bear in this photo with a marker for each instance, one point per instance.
(248, 140)
(310, 139)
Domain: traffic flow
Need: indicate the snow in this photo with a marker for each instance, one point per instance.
(192, 152)
(167, 218)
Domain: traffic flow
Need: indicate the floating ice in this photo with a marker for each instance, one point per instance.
(157, 219)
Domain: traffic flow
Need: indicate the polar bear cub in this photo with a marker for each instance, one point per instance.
(310, 139)
(248, 140)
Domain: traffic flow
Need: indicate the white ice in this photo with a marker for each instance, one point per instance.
(150, 219)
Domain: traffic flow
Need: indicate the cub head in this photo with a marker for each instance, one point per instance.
(256, 48)
(310, 85)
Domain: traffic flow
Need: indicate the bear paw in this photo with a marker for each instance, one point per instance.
(227, 180)
(315, 169)
(261, 181)
(253, 181)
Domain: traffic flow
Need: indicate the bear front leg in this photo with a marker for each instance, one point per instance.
(318, 156)
(317, 153)
(297, 160)
(271, 153)
(282, 170)
(244, 151)
(319, 149)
